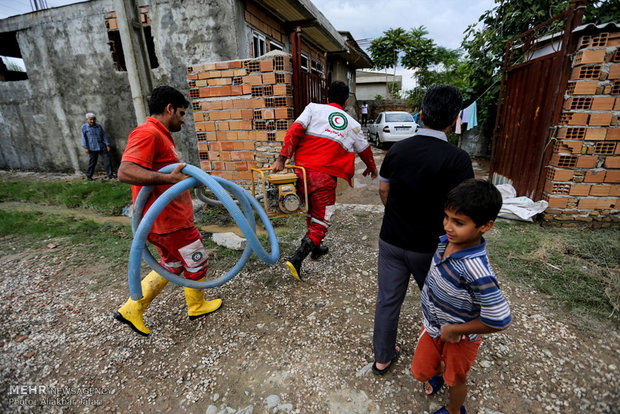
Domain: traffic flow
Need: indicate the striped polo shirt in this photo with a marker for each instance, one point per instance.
(460, 288)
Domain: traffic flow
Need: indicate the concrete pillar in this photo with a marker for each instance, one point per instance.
(69, 141)
(136, 56)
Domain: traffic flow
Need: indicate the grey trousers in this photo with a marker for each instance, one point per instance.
(395, 267)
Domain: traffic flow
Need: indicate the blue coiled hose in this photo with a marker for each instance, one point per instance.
(141, 227)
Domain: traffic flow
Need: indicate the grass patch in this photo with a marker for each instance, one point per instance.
(107, 198)
(580, 268)
(93, 242)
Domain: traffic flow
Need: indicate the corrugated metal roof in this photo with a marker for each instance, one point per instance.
(592, 26)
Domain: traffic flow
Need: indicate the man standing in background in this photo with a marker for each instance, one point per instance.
(95, 142)
(364, 113)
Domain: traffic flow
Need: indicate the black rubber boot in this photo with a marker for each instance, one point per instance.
(294, 262)
(318, 251)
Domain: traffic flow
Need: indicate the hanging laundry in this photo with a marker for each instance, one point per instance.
(469, 116)
(472, 120)
(465, 114)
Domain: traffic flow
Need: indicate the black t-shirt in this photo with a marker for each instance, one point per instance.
(421, 171)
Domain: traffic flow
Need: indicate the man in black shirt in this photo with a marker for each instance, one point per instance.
(415, 177)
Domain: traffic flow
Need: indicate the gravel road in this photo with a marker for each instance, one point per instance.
(277, 345)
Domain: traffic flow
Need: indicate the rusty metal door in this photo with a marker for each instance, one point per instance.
(536, 70)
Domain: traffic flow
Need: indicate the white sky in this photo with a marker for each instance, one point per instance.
(445, 20)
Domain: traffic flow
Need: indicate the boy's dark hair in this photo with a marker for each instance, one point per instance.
(338, 92)
(477, 199)
(440, 106)
(164, 95)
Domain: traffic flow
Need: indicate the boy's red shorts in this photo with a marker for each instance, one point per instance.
(431, 351)
(180, 251)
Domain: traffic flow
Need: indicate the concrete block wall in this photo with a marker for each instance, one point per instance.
(242, 110)
(583, 177)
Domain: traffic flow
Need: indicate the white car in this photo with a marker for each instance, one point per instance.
(391, 126)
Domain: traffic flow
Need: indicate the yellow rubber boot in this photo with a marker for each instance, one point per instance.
(131, 312)
(197, 306)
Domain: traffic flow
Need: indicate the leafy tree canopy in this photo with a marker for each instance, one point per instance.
(413, 49)
(485, 42)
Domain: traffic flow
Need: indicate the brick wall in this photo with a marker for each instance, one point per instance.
(242, 110)
(583, 176)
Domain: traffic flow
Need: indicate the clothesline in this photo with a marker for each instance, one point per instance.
(487, 89)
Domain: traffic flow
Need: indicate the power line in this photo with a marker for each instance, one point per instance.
(11, 8)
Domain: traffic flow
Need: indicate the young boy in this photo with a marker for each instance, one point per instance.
(461, 297)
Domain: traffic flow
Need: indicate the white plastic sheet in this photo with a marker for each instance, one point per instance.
(518, 208)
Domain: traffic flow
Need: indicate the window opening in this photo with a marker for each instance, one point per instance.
(273, 45)
(258, 44)
(304, 62)
(116, 45)
(150, 47)
(317, 67)
(12, 66)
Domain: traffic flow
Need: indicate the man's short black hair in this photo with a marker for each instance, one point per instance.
(440, 106)
(338, 92)
(164, 95)
(477, 199)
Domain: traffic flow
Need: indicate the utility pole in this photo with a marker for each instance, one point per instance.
(136, 55)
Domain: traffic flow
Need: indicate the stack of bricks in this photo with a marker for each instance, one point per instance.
(242, 110)
(583, 178)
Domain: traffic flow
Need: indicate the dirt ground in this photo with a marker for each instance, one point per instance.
(277, 345)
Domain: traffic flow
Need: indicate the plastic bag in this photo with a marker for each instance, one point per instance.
(518, 208)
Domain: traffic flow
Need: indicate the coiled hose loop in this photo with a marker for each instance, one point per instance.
(220, 187)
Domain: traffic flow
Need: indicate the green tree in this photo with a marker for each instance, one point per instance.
(450, 69)
(413, 50)
(485, 44)
(419, 51)
(385, 50)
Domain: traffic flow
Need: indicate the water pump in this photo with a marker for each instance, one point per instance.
(279, 191)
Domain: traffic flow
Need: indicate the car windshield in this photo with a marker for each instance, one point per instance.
(398, 118)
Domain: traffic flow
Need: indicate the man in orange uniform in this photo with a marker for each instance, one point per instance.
(324, 140)
(151, 147)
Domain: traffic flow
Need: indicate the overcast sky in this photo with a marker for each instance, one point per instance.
(445, 20)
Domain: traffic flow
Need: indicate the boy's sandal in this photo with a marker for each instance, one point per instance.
(444, 410)
(383, 371)
(436, 383)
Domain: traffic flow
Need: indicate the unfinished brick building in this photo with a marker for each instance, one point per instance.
(105, 56)
(558, 124)
(242, 110)
(583, 178)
